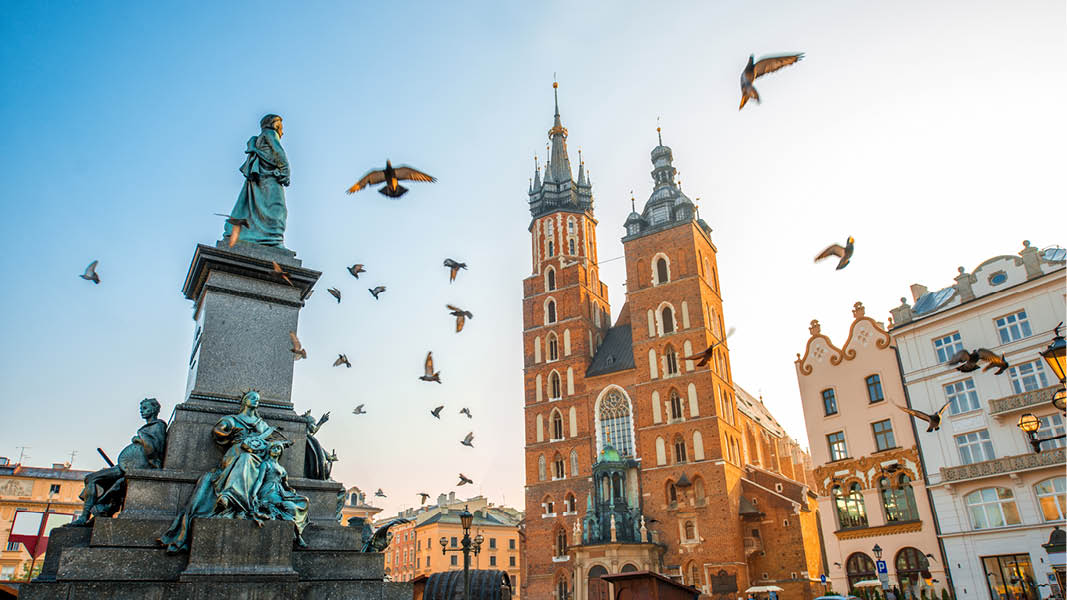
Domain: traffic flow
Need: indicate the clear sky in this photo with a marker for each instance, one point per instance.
(931, 132)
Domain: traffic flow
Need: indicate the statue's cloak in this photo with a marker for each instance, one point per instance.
(262, 199)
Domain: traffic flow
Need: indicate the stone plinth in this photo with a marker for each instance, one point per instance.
(232, 549)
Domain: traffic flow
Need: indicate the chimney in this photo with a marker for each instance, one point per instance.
(917, 291)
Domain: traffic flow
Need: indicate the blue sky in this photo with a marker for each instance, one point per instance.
(932, 132)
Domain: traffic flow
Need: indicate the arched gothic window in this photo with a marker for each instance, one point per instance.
(670, 357)
(561, 590)
(558, 467)
(574, 463)
(550, 311)
(668, 319)
(569, 503)
(541, 468)
(551, 249)
(573, 245)
(676, 405)
(859, 567)
(616, 422)
(679, 449)
(557, 425)
(661, 271)
(555, 389)
(690, 531)
(672, 493)
(553, 347)
(561, 543)
(550, 279)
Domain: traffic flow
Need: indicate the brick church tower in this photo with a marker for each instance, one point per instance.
(637, 459)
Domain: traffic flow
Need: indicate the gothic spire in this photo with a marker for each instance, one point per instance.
(559, 164)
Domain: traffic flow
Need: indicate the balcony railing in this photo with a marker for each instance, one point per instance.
(1003, 466)
(1007, 404)
(753, 545)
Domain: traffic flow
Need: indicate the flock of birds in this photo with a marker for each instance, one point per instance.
(967, 361)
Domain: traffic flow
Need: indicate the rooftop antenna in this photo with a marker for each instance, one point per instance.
(633, 205)
(658, 132)
(73, 453)
(22, 453)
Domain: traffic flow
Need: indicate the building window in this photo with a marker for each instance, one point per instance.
(1051, 426)
(662, 276)
(851, 511)
(511, 544)
(12, 546)
(492, 561)
(670, 357)
(555, 391)
(1028, 377)
(975, 447)
(947, 346)
(574, 463)
(53, 489)
(910, 565)
(511, 561)
(874, 389)
(672, 494)
(883, 434)
(557, 425)
(1052, 497)
(829, 402)
(899, 501)
(550, 311)
(561, 542)
(961, 396)
(553, 347)
(561, 590)
(667, 316)
(453, 558)
(615, 423)
(569, 503)
(837, 446)
(992, 507)
(1011, 576)
(453, 542)
(1013, 327)
(676, 405)
(859, 567)
(558, 467)
(550, 279)
(690, 531)
(679, 449)
(541, 468)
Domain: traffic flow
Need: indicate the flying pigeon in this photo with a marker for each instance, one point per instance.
(359, 410)
(765, 65)
(235, 227)
(342, 360)
(356, 269)
(967, 361)
(1000, 363)
(463, 480)
(702, 358)
(391, 177)
(336, 293)
(424, 497)
(281, 273)
(460, 315)
(466, 411)
(90, 273)
(467, 440)
(454, 268)
(297, 350)
(437, 411)
(844, 253)
(380, 493)
(934, 420)
(375, 291)
(430, 374)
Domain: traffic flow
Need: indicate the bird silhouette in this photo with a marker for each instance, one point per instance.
(437, 411)
(702, 358)
(297, 350)
(356, 269)
(460, 315)
(380, 493)
(993, 361)
(391, 176)
(754, 70)
(424, 496)
(235, 227)
(466, 411)
(429, 373)
(376, 290)
(464, 480)
(359, 410)
(336, 293)
(467, 440)
(454, 268)
(842, 252)
(281, 273)
(934, 419)
(342, 360)
(90, 273)
(967, 361)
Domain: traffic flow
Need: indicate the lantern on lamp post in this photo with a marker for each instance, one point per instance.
(1030, 425)
(1055, 356)
(469, 546)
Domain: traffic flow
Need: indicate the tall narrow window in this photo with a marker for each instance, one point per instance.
(883, 435)
(690, 532)
(874, 389)
(558, 467)
(554, 388)
(851, 512)
(672, 494)
(573, 243)
(836, 442)
(898, 501)
(671, 358)
(679, 449)
(561, 545)
(541, 468)
(667, 315)
(661, 271)
(551, 249)
(557, 426)
(553, 347)
(615, 422)
(574, 463)
(550, 280)
(1052, 497)
(550, 311)
(829, 402)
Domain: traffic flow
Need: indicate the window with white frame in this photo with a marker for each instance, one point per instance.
(836, 442)
(947, 346)
(553, 347)
(676, 405)
(557, 425)
(975, 447)
(1052, 498)
(671, 360)
(1028, 376)
(1013, 327)
(555, 389)
(992, 507)
(962, 396)
(1051, 426)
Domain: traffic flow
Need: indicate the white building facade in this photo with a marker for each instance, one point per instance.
(996, 501)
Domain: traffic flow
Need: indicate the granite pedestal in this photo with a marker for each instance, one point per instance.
(243, 313)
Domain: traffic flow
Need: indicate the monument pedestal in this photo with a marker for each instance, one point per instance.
(243, 312)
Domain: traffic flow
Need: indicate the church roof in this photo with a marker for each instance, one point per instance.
(616, 353)
(667, 206)
(558, 190)
(755, 410)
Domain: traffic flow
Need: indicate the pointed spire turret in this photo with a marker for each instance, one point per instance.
(558, 190)
(559, 163)
(537, 176)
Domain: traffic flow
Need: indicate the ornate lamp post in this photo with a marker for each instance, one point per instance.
(469, 546)
(877, 552)
(1030, 424)
(1056, 355)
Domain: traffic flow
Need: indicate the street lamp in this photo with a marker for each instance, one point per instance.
(1030, 424)
(469, 546)
(1056, 355)
(877, 552)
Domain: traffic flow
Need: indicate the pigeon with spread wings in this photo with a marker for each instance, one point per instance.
(437, 411)
(342, 360)
(468, 441)
(753, 70)
(336, 293)
(90, 273)
(356, 269)
(967, 361)
(391, 176)
(463, 480)
(702, 358)
(430, 374)
(844, 253)
(297, 350)
(359, 410)
(934, 420)
(460, 315)
(378, 289)
(424, 497)
(993, 361)
(453, 268)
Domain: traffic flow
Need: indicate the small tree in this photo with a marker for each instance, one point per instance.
(26, 575)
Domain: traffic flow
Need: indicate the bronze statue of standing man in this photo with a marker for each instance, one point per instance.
(261, 203)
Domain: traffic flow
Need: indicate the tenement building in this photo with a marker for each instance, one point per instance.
(637, 459)
(868, 473)
(996, 499)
